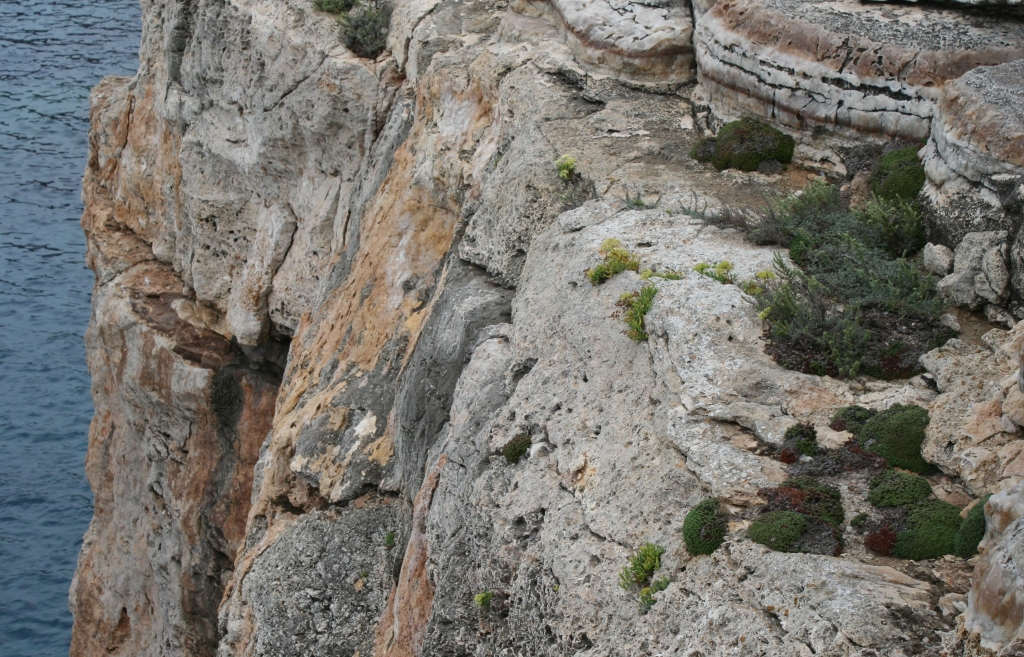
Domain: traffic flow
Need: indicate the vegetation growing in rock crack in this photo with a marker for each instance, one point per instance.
(892, 488)
(365, 29)
(800, 440)
(854, 304)
(616, 260)
(634, 200)
(389, 540)
(896, 434)
(638, 575)
(637, 305)
(577, 188)
(972, 530)
(819, 506)
(745, 145)
(483, 599)
(704, 527)
(333, 6)
(898, 174)
(720, 271)
(516, 448)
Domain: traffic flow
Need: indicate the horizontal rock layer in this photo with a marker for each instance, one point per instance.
(840, 69)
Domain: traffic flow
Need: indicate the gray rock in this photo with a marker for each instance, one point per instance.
(979, 255)
(938, 259)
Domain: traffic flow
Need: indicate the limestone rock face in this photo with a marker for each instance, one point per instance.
(995, 611)
(838, 69)
(180, 416)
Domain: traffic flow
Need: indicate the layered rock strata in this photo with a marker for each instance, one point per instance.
(399, 227)
(840, 69)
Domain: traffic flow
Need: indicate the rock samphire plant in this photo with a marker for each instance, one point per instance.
(616, 260)
(745, 145)
(704, 527)
(637, 305)
(483, 599)
(577, 188)
(639, 573)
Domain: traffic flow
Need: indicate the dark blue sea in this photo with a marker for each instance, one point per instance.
(51, 53)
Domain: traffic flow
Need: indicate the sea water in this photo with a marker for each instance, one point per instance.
(51, 53)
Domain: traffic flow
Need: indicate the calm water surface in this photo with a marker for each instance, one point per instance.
(51, 53)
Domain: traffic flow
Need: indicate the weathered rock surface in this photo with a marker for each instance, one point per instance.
(403, 223)
(839, 69)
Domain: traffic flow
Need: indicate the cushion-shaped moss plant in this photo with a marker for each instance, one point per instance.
(516, 448)
(896, 434)
(820, 500)
(704, 527)
(778, 530)
(898, 174)
(745, 144)
(931, 528)
(852, 418)
(892, 488)
(972, 530)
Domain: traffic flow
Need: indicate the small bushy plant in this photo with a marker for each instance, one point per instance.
(972, 530)
(744, 145)
(892, 488)
(365, 29)
(932, 526)
(616, 260)
(720, 271)
(896, 434)
(516, 448)
(851, 418)
(898, 222)
(778, 530)
(637, 305)
(820, 501)
(803, 438)
(898, 174)
(637, 575)
(389, 540)
(333, 6)
(483, 599)
(566, 166)
(704, 527)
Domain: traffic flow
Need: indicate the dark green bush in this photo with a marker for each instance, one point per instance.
(516, 448)
(852, 418)
(802, 438)
(778, 530)
(704, 150)
(896, 434)
(744, 144)
(892, 488)
(932, 526)
(820, 500)
(704, 527)
(333, 6)
(365, 29)
(898, 174)
(972, 530)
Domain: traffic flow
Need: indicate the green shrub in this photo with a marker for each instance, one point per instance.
(898, 174)
(778, 530)
(852, 418)
(516, 448)
(637, 575)
(899, 223)
(637, 305)
(743, 145)
(820, 501)
(483, 599)
(365, 29)
(803, 438)
(720, 271)
(892, 488)
(389, 540)
(566, 166)
(704, 527)
(932, 526)
(858, 520)
(616, 260)
(972, 530)
(333, 6)
(896, 434)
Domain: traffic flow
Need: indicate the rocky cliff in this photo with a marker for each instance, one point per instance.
(356, 393)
